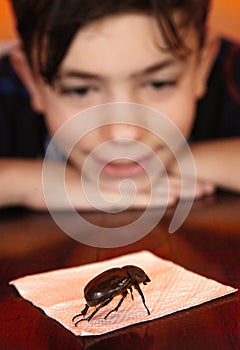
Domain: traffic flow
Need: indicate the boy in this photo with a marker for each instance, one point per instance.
(80, 54)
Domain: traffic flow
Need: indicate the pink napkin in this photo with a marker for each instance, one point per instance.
(172, 288)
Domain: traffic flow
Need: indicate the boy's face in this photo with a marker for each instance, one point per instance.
(116, 59)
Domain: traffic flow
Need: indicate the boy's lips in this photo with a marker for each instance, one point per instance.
(123, 168)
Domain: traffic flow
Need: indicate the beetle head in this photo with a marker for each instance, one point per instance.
(136, 274)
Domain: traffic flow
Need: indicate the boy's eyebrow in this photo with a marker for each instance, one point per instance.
(156, 67)
(74, 73)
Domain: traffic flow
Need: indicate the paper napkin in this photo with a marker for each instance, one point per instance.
(172, 288)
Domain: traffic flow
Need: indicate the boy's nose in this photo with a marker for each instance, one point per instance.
(123, 132)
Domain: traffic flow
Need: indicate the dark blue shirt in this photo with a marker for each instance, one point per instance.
(218, 113)
(22, 131)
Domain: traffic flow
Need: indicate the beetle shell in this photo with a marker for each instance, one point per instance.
(109, 283)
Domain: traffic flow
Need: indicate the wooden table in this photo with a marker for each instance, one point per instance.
(207, 243)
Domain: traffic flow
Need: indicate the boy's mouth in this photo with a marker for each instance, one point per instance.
(124, 168)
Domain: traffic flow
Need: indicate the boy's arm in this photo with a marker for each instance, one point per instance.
(218, 162)
(14, 174)
(21, 184)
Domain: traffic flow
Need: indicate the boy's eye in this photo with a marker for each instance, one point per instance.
(81, 90)
(161, 84)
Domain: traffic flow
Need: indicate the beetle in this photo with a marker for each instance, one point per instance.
(101, 290)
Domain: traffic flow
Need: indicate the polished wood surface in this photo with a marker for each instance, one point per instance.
(207, 243)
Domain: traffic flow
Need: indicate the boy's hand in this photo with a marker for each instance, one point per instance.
(170, 197)
(202, 188)
(162, 196)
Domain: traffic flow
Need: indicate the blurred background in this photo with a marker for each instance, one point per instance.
(225, 17)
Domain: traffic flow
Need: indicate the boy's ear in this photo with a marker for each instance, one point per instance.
(24, 72)
(208, 56)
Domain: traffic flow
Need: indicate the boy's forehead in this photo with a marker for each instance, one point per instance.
(116, 26)
(118, 40)
(138, 22)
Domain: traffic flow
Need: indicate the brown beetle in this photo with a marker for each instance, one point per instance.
(104, 287)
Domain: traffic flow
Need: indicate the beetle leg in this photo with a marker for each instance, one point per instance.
(124, 294)
(142, 296)
(131, 292)
(95, 311)
(82, 313)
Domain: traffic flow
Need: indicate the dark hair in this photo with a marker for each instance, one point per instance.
(50, 25)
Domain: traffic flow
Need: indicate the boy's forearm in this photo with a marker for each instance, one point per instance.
(218, 162)
(20, 180)
(21, 183)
